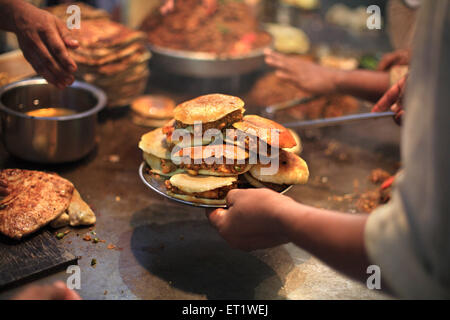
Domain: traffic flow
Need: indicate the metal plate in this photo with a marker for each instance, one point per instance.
(205, 65)
(158, 186)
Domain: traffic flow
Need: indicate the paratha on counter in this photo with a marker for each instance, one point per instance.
(34, 199)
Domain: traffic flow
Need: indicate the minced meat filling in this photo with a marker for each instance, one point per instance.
(220, 124)
(216, 167)
(167, 166)
(219, 193)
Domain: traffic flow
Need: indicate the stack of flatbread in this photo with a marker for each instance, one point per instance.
(36, 199)
(110, 56)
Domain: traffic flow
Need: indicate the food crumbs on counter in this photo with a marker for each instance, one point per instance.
(114, 158)
(111, 246)
(93, 262)
(96, 240)
(87, 238)
(105, 293)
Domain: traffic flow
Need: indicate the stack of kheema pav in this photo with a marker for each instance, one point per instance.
(192, 168)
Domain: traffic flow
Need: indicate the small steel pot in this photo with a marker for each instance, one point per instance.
(49, 139)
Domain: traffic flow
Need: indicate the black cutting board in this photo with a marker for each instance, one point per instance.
(31, 257)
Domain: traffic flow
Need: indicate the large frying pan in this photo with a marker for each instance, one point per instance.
(205, 65)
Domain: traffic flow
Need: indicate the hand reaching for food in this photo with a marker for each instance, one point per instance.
(43, 38)
(307, 75)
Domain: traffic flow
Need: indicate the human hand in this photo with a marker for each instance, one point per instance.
(393, 100)
(307, 75)
(44, 40)
(56, 291)
(252, 219)
(398, 57)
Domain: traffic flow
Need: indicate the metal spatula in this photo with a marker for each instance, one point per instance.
(335, 121)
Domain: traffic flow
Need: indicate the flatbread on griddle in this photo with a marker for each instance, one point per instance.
(35, 198)
(105, 34)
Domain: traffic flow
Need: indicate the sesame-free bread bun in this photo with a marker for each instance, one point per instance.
(266, 130)
(207, 108)
(155, 143)
(291, 170)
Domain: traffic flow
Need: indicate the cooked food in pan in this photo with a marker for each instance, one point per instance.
(211, 167)
(231, 30)
(270, 89)
(36, 199)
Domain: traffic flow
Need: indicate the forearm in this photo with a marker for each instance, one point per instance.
(364, 84)
(335, 238)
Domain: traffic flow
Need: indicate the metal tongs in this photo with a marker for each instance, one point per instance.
(318, 123)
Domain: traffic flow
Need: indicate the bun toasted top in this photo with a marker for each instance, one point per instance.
(266, 130)
(155, 143)
(196, 184)
(291, 170)
(207, 108)
(219, 151)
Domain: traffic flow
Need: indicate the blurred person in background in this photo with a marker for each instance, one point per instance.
(365, 84)
(409, 237)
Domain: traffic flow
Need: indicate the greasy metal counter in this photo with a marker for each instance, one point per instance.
(155, 248)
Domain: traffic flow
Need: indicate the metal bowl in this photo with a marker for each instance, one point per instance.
(205, 65)
(49, 139)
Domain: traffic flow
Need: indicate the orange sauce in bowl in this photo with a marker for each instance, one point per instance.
(51, 112)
